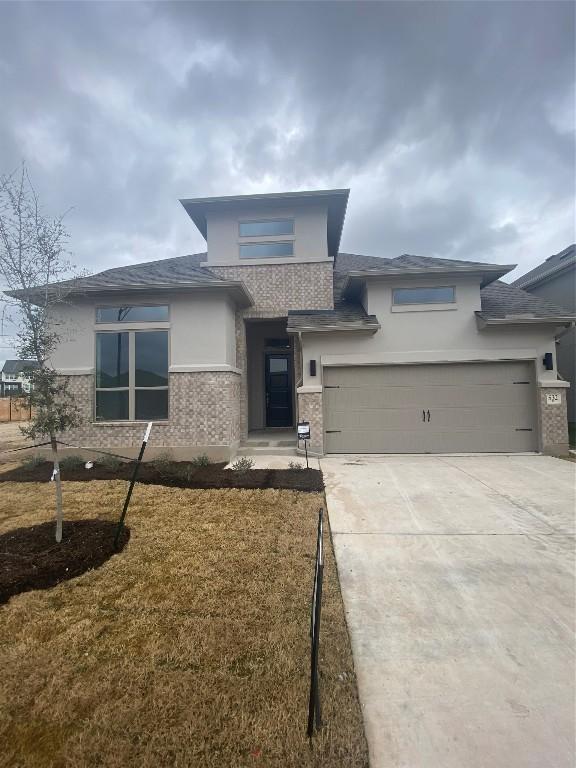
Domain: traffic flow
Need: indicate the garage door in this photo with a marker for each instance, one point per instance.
(479, 407)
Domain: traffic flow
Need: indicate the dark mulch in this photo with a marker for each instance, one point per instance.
(30, 558)
(180, 474)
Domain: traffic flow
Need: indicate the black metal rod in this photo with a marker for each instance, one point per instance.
(131, 487)
(306, 450)
(314, 707)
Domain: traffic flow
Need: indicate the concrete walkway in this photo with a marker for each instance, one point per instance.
(457, 574)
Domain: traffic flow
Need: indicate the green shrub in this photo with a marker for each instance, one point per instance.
(163, 462)
(295, 465)
(243, 464)
(73, 461)
(200, 461)
(110, 462)
(33, 460)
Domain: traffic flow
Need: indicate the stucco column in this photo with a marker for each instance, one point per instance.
(553, 417)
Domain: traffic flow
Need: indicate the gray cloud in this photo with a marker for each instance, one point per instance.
(453, 123)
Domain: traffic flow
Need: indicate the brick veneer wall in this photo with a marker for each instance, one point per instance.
(276, 288)
(204, 416)
(553, 421)
(310, 409)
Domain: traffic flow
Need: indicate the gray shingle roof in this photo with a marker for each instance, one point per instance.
(551, 266)
(500, 300)
(352, 316)
(18, 366)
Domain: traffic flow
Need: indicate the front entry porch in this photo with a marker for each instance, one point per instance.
(270, 442)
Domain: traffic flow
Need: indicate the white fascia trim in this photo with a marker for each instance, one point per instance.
(74, 371)
(309, 389)
(432, 356)
(554, 384)
(204, 367)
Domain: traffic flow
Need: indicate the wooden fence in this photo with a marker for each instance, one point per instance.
(14, 409)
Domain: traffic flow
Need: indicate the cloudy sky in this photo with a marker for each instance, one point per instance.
(452, 123)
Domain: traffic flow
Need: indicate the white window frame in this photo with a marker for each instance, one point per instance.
(266, 221)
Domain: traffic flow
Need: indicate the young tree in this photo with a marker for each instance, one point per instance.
(33, 264)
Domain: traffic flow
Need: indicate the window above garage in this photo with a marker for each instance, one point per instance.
(423, 298)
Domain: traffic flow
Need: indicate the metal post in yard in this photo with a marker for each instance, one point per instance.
(314, 709)
(9, 408)
(306, 451)
(131, 488)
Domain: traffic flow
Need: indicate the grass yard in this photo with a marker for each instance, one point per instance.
(190, 648)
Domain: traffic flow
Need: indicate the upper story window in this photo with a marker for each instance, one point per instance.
(266, 250)
(267, 228)
(136, 314)
(132, 375)
(445, 294)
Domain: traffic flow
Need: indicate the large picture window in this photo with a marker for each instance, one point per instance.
(132, 376)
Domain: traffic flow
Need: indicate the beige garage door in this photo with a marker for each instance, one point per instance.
(480, 407)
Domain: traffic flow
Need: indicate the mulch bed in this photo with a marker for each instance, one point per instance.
(180, 474)
(30, 558)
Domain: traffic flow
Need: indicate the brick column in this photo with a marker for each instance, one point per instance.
(310, 409)
(553, 419)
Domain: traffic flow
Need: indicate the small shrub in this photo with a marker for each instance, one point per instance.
(185, 473)
(200, 461)
(110, 462)
(295, 465)
(33, 460)
(71, 462)
(163, 461)
(243, 464)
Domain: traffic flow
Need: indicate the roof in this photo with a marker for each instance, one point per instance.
(501, 301)
(182, 272)
(408, 264)
(18, 366)
(350, 317)
(552, 266)
(336, 201)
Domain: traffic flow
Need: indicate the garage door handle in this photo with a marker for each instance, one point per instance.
(333, 431)
(423, 415)
(428, 412)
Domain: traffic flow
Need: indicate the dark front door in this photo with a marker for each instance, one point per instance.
(278, 390)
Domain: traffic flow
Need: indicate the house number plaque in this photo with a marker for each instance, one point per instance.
(553, 398)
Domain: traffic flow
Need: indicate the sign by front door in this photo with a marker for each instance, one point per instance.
(303, 430)
(553, 398)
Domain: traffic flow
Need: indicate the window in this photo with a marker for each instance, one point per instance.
(138, 314)
(266, 250)
(435, 295)
(267, 228)
(132, 376)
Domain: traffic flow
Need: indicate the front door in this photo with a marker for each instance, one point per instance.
(278, 390)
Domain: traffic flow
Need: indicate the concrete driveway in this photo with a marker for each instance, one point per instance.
(457, 574)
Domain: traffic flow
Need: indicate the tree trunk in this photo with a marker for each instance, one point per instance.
(58, 483)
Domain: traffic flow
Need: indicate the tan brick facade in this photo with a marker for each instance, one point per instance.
(276, 288)
(204, 416)
(553, 421)
(310, 409)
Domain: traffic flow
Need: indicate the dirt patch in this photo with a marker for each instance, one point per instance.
(178, 474)
(30, 558)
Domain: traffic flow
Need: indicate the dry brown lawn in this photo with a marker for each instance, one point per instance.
(190, 648)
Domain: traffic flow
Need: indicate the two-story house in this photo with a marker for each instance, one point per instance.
(555, 280)
(13, 378)
(273, 325)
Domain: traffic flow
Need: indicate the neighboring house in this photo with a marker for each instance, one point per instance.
(13, 380)
(555, 279)
(273, 325)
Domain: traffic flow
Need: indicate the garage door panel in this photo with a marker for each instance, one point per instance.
(479, 407)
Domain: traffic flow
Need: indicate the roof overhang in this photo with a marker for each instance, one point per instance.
(487, 274)
(529, 282)
(336, 201)
(236, 289)
(336, 327)
(561, 322)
